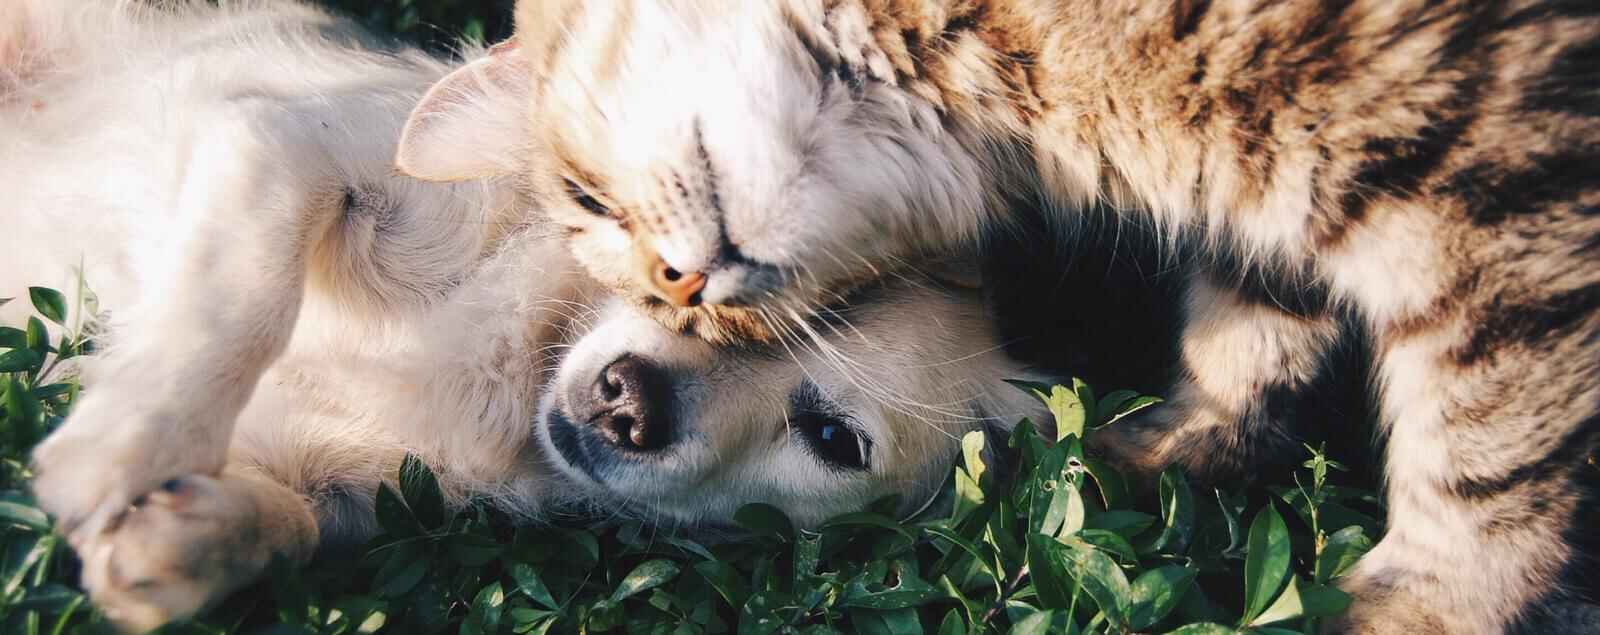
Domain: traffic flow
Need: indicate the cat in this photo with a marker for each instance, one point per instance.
(1426, 166)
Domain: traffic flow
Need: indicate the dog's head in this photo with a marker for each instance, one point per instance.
(667, 427)
(725, 164)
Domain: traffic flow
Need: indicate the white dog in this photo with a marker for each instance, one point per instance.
(287, 318)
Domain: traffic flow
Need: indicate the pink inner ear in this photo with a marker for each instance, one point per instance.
(502, 47)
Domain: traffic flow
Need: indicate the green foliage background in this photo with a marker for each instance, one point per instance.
(436, 24)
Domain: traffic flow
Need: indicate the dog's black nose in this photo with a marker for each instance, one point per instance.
(633, 410)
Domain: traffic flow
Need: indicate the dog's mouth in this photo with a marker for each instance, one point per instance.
(568, 445)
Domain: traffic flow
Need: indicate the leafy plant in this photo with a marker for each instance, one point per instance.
(1064, 545)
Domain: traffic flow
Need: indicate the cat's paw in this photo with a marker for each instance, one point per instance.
(175, 551)
(111, 451)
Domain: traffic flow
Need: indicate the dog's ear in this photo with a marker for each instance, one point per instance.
(470, 124)
(958, 271)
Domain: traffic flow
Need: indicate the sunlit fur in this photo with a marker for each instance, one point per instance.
(933, 383)
(1425, 166)
(286, 318)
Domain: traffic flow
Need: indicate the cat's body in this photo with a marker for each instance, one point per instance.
(1426, 166)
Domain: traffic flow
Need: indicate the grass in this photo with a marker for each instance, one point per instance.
(1062, 546)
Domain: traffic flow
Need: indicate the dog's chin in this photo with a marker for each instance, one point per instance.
(563, 449)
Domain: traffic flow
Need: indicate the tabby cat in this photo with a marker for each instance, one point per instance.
(1427, 165)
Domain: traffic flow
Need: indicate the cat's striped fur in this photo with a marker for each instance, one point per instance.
(1427, 165)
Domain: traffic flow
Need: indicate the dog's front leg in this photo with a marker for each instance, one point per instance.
(193, 542)
(184, 361)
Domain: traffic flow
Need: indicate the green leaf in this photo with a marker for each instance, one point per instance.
(19, 360)
(1155, 593)
(1045, 623)
(1064, 405)
(1105, 583)
(1113, 488)
(1300, 600)
(1341, 551)
(866, 519)
(400, 574)
(605, 615)
(1054, 565)
(969, 496)
(1203, 628)
(474, 550)
(49, 303)
(1266, 567)
(393, 515)
(38, 338)
(1177, 514)
(1068, 409)
(1139, 403)
(1051, 571)
(27, 517)
(532, 621)
(909, 589)
(25, 413)
(1125, 522)
(756, 617)
(898, 622)
(529, 584)
(487, 608)
(764, 519)
(972, 454)
(952, 624)
(1320, 600)
(646, 576)
(807, 551)
(420, 490)
(725, 579)
(11, 337)
(1110, 405)
(1109, 542)
(963, 544)
(1232, 508)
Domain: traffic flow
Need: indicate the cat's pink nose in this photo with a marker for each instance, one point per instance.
(677, 287)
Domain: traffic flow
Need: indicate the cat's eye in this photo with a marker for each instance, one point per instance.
(829, 435)
(584, 200)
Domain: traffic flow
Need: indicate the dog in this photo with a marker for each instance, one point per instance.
(285, 318)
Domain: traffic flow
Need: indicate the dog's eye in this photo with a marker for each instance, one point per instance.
(827, 433)
(832, 439)
(584, 200)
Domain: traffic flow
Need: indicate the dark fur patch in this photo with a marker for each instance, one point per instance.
(1494, 193)
(1571, 85)
(1186, 16)
(1562, 460)
(1531, 322)
(1398, 166)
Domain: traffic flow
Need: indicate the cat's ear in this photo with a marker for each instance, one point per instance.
(472, 123)
(540, 25)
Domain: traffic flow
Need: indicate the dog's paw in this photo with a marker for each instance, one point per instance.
(108, 453)
(174, 551)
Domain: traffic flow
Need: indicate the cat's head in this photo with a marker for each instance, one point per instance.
(729, 166)
(650, 423)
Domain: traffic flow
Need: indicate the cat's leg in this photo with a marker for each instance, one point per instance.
(186, 359)
(1244, 360)
(1492, 403)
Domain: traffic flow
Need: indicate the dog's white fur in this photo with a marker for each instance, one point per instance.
(287, 317)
